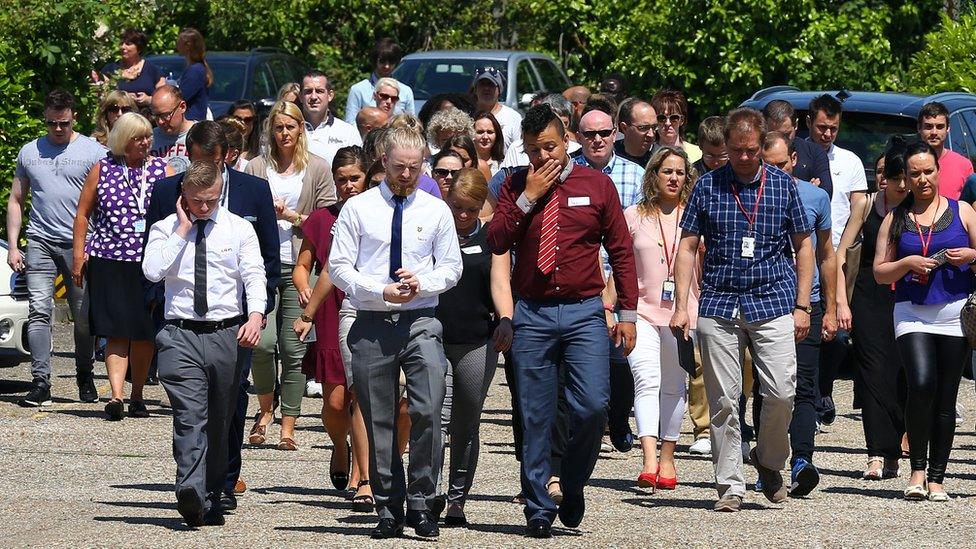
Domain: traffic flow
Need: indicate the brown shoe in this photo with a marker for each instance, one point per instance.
(772, 480)
(728, 504)
(288, 444)
(240, 487)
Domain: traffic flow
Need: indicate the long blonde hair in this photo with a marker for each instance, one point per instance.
(114, 97)
(649, 203)
(273, 156)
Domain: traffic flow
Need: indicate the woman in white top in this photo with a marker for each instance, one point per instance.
(300, 183)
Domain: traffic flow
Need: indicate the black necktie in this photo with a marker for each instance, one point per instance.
(200, 269)
(396, 237)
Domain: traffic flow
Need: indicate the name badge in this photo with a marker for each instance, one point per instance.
(139, 226)
(579, 201)
(471, 250)
(748, 246)
(667, 293)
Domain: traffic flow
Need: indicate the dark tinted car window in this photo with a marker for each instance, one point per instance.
(281, 71)
(428, 77)
(262, 86)
(526, 79)
(968, 131)
(867, 133)
(552, 79)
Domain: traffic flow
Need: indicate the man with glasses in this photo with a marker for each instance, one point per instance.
(638, 123)
(488, 85)
(326, 133)
(169, 135)
(811, 159)
(51, 171)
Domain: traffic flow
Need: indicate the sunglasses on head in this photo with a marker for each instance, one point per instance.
(592, 134)
(58, 123)
(444, 172)
(121, 109)
(673, 119)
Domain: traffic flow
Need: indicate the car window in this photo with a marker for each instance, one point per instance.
(866, 134)
(429, 77)
(525, 80)
(963, 127)
(297, 70)
(262, 87)
(228, 80)
(552, 79)
(281, 71)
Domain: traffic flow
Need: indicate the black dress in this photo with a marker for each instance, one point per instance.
(878, 376)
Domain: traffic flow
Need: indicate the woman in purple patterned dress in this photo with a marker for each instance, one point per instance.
(115, 196)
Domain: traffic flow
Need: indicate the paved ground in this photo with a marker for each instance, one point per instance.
(70, 478)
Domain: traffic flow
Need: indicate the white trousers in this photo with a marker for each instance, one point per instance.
(659, 382)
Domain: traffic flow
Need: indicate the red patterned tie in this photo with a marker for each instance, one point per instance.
(547, 242)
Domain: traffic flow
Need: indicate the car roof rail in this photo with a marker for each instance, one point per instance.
(949, 95)
(771, 90)
(267, 49)
(842, 95)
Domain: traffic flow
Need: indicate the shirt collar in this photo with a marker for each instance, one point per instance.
(324, 124)
(468, 236)
(755, 179)
(373, 78)
(606, 169)
(215, 217)
(563, 175)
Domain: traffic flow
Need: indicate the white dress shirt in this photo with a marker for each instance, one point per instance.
(847, 173)
(234, 264)
(359, 262)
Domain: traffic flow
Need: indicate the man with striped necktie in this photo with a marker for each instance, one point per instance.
(554, 216)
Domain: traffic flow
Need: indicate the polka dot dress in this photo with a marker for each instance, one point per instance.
(116, 232)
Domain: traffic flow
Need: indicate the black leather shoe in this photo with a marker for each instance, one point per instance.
(386, 529)
(423, 524)
(214, 517)
(572, 509)
(622, 442)
(86, 388)
(437, 507)
(190, 507)
(538, 528)
(451, 521)
(228, 502)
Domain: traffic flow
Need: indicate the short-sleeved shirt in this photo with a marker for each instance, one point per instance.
(196, 93)
(145, 82)
(847, 175)
(171, 148)
(761, 287)
(330, 136)
(954, 168)
(816, 204)
(56, 174)
(123, 197)
(511, 122)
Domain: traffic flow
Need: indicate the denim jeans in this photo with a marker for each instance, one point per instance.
(44, 260)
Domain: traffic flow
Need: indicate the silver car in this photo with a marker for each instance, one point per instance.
(13, 315)
(451, 71)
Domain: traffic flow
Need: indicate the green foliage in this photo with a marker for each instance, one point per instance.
(948, 61)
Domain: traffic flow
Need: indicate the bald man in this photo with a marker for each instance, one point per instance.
(169, 136)
(370, 118)
(638, 120)
(577, 95)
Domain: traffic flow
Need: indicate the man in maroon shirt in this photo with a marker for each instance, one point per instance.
(554, 217)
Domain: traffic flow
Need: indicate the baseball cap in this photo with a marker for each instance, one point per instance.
(489, 73)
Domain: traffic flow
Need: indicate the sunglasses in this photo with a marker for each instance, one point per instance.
(121, 109)
(387, 97)
(246, 119)
(592, 134)
(58, 124)
(444, 172)
(673, 119)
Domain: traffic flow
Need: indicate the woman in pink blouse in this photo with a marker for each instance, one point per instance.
(659, 382)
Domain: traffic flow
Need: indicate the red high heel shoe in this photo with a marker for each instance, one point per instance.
(647, 480)
(665, 483)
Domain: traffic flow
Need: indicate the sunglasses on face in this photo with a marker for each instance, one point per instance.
(673, 119)
(387, 97)
(246, 119)
(592, 134)
(58, 124)
(444, 172)
(121, 109)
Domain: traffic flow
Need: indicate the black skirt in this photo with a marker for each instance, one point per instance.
(117, 304)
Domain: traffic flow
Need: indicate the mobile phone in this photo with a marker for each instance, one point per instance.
(310, 337)
(940, 257)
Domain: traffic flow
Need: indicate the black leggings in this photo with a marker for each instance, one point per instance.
(933, 368)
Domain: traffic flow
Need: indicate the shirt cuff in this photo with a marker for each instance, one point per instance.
(256, 305)
(627, 316)
(524, 203)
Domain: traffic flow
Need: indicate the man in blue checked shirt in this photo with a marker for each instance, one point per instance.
(596, 131)
(751, 295)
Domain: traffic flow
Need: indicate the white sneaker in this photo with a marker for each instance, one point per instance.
(702, 447)
(313, 389)
(959, 412)
(746, 449)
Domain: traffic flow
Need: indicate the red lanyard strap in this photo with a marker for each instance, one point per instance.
(669, 255)
(925, 243)
(755, 209)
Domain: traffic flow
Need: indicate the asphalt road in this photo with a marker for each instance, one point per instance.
(71, 479)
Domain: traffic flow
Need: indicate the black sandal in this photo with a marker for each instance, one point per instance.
(364, 503)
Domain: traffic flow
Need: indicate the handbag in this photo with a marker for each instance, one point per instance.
(968, 319)
(852, 260)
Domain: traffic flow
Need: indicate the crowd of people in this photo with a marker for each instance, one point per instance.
(388, 261)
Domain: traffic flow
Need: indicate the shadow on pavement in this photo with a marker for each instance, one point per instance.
(141, 504)
(158, 487)
(870, 492)
(175, 524)
(652, 502)
(7, 387)
(296, 491)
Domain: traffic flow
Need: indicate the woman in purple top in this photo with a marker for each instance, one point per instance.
(926, 248)
(115, 196)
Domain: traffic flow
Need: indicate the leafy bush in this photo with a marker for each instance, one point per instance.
(948, 61)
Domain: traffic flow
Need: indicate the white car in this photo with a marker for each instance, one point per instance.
(13, 315)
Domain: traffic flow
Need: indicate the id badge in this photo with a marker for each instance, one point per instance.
(667, 293)
(139, 226)
(748, 246)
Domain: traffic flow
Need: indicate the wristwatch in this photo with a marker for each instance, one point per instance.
(305, 318)
(297, 222)
(805, 308)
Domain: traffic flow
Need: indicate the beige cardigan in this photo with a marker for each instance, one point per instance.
(318, 190)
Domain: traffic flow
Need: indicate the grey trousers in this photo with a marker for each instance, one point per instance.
(469, 376)
(45, 260)
(723, 343)
(201, 374)
(382, 344)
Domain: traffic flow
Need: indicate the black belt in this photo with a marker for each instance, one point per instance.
(206, 326)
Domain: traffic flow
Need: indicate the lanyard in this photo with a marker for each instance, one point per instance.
(925, 243)
(141, 199)
(669, 255)
(755, 209)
